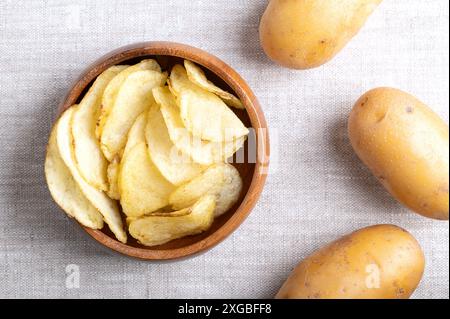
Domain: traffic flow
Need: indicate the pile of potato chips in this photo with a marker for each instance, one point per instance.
(152, 146)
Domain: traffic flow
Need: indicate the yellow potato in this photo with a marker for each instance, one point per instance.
(176, 167)
(143, 189)
(378, 262)
(221, 181)
(88, 155)
(65, 191)
(406, 146)
(202, 152)
(134, 97)
(111, 91)
(161, 228)
(304, 34)
(198, 77)
(105, 205)
(113, 179)
(203, 113)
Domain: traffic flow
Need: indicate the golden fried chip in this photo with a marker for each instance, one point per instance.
(160, 229)
(105, 205)
(88, 156)
(65, 191)
(142, 187)
(113, 179)
(203, 113)
(175, 166)
(134, 97)
(136, 134)
(198, 77)
(202, 152)
(111, 91)
(221, 180)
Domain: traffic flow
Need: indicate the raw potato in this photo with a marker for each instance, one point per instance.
(203, 113)
(65, 191)
(113, 179)
(110, 94)
(221, 180)
(197, 76)
(176, 167)
(134, 97)
(202, 152)
(143, 189)
(378, 262)
(161, 228)
(304, 34)
(105, 205)
(406, 146)
(88, 156)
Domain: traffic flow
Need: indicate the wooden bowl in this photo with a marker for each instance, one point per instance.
(253, 171)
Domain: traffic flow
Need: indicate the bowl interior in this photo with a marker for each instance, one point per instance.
(245, 164)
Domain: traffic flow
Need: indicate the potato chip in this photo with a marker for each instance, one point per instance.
(105, 205)
(198, 77)
(229, 193)
(136, 134)
(202, 152)
(206, 116)
(113, 179)
(179, 81)
(88, 156)
(65, 191)
(134, 97)
(203, 113)
(221, 180)
(110, 94)
(175, 166)
(142, 187)
(160, 229)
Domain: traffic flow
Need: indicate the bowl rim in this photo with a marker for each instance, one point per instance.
(257, 119)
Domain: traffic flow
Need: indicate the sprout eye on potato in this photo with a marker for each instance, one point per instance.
(377, 262)
(406, 146)
(122, 145)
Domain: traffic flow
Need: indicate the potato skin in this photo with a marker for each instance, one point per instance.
(406, 146)
(346, 269)
(304, 34)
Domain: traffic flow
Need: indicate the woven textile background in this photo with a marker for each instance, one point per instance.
(317, 190)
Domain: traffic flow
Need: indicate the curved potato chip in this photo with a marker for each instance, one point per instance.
(221, 180)
(113, 177)
(198, 77)
(179, 81)
(142, 187)
(65, 191)
(110, 94)
(202, 152)
(105, 205)
(176, 167)
(230, 191)
(134, 97)
(157, 230)
(136, 134)
(206, 116)
(203, 113)
(88, 156)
